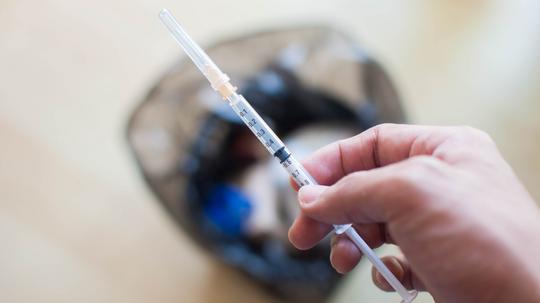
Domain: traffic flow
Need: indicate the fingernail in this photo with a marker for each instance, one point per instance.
(310, 193)
(395, 267)
(333, 241)
(332, 263)
(381, 281)
(379, 278)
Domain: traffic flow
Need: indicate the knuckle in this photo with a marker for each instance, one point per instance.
(415, 176)
(347, 186)
(404, 190)
(422, 167)
(348, 182)
(384, 127)
(469, 133)
(342, 143)
(424, 162)
(403, 180)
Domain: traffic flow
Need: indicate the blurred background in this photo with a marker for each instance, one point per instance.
(77, 221)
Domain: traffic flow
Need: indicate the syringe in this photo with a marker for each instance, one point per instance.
(220, 82)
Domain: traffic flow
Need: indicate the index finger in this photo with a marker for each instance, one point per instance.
(378, 146)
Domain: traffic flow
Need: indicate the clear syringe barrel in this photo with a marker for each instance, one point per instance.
(273, 144)
(256, 124)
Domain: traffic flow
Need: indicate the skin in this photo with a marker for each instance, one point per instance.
(467, 228)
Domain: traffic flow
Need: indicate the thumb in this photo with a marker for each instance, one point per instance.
(361, 197)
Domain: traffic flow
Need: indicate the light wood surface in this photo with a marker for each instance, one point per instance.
(77, 223)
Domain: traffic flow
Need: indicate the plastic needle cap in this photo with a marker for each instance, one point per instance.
(210, 70)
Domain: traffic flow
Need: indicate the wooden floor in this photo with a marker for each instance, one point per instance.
(77, 223)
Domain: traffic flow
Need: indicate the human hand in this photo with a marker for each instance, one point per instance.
(468, 229)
